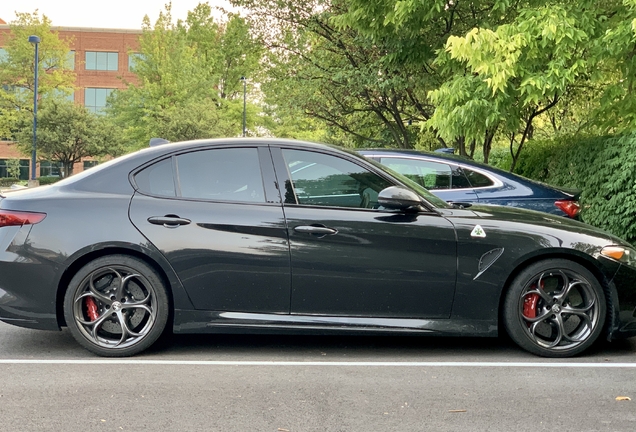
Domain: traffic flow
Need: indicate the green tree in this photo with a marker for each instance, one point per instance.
(615, 67)
(509, 70)
(67, 133)
(511, 75)
(17, 69)
(13, 168)
(188, 79)
(363, 67)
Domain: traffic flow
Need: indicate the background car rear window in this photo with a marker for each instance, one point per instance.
(477, 179)
(326, 180)
(232, 174)
(431, 175)
(157, 179)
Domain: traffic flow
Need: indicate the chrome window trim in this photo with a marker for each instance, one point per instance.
(496, 182)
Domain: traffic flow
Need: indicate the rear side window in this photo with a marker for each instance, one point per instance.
(431, 175)
(216, 175)
(232, 174)
(477, 179)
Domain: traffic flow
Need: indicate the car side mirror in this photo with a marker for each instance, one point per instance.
(399, 198)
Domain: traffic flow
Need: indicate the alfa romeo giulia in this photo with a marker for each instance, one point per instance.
(268, 235)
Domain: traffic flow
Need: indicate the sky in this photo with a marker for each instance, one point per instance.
(121, 14)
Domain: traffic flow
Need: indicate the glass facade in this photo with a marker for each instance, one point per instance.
(50, 169)
(133, 59)
(90, 164)
(103, 61)
(95, 98)
(5, 168)
(70, 60)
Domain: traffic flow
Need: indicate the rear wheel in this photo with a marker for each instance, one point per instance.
(555, 308)
(116, 306)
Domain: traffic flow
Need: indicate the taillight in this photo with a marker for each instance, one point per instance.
(571, 208)
(19, 218)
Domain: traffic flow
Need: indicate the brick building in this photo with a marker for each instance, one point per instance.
(101, 59)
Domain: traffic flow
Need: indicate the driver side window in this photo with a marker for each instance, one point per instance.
(325, 180)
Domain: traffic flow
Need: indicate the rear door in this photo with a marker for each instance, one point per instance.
(217, 217)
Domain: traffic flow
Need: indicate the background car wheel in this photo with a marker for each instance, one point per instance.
(555, 308)
(116, 306)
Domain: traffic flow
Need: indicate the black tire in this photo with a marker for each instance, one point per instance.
(116, 306)
(555, 308)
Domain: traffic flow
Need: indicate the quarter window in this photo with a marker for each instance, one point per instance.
(477, 179)
(319, 179)
(157, 179)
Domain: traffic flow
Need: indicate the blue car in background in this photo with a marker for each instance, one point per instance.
(460, 180)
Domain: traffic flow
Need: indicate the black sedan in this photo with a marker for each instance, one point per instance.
(248, 235)
(461, 180)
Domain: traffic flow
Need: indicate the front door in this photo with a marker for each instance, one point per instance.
(349, 257)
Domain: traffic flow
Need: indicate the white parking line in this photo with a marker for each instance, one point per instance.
(321, 363)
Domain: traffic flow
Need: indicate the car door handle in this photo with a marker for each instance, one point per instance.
(169, 221)
(315, 229)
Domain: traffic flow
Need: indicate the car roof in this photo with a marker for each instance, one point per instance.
(113, 175)
(433, 155)
(503, 175)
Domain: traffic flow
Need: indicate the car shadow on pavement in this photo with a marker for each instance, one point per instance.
(19, 343)
(335, 348)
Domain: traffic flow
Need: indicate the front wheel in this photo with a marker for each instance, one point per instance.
(116, 306)
(555, 308)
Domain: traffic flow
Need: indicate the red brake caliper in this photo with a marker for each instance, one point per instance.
(91, 308)
(530, 305)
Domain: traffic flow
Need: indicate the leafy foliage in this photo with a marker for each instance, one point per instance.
(67, 133)
(17, 69)
(365, 89)
(604, 168)
(188, 79)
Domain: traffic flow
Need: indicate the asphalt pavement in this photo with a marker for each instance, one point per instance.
(312, 383)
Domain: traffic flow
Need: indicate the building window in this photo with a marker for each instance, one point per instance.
(3, 54)
(70, 60)
(104, 61)
(5, 165)
(133, 60)
(58, 94)
(90, 164)
(50, 169)
(67, 62)
(95, 98)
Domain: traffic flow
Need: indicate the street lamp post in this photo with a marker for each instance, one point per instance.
(244, 101)
(35, 40)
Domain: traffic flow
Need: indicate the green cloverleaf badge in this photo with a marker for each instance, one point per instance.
(478, 231)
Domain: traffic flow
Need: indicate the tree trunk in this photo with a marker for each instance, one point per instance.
(460, 143)
(490, 135)
(473, 144)
(67, 168)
